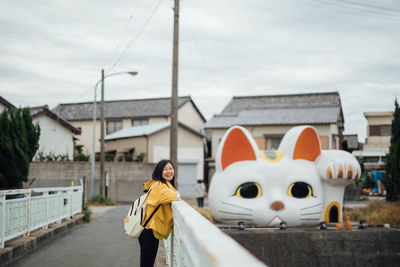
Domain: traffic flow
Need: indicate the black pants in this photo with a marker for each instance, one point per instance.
(200, 202)
(148, 248)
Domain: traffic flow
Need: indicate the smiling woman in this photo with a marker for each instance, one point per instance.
(159, 199)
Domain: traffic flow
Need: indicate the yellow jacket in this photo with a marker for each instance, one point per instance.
(163, 194)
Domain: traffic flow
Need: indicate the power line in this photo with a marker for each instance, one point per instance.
(346, 6)
(371, 6)
(201, 52)
(130, 43)
(130, 20)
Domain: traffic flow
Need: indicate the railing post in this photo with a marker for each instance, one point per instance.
(171, 254)
(71, 192)
(29, 212)
(46, 194)
(3, 202)
(60, 205)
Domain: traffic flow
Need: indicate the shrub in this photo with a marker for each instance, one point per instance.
(86, 213)
(101, 200)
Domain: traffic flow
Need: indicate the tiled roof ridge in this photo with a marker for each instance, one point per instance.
(125, 100)
(288, 95)
(304, 106)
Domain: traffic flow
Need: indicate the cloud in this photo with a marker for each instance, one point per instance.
(53, 51)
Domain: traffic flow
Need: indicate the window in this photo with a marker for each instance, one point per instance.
(138, 122)
(113, 126)
(386, 130)
(272, 142)
(380, 130)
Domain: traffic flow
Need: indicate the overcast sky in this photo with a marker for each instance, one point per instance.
(52, 51)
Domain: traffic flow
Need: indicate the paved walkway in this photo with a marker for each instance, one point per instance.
(99, 243)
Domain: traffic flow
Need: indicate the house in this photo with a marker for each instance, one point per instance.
(269, 117)
(5, 105)
(126, 113)
(56, 134)
(379, 132)
(141, 127)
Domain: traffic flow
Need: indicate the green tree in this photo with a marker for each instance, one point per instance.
(392, 178)
(19, 141)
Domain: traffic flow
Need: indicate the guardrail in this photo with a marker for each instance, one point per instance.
(25, 210)
(196, 242)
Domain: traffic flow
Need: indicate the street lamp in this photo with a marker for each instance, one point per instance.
(133, 73)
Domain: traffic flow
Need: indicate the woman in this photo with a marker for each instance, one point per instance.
(162, 193)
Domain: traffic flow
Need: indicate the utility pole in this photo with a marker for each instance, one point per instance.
(174, 98)
(102, 136)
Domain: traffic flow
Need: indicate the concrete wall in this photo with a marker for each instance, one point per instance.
(311, 247)
(126, 179)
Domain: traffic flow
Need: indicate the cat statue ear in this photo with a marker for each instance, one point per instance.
(301, 142)
(236, 145)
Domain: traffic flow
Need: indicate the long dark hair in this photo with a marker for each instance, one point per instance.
(158, 171)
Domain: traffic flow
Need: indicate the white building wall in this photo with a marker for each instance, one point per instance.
(54, 138)
(86, 136)
(189, 116)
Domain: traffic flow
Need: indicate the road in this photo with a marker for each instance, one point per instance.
(99, 243)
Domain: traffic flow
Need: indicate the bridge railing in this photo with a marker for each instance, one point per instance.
(25, 210)
(196, 242)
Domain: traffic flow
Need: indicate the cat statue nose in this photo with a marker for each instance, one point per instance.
(277, 205)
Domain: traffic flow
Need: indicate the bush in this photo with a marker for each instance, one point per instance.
(140, 157)
(98, 200)
(81, 157)
(86, 213)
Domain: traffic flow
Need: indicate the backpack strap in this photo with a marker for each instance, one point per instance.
(147, 221)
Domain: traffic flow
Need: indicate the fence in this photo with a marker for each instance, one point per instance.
(196, 242)
(25, 210)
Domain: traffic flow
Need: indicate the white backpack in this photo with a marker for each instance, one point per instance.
(133, 223)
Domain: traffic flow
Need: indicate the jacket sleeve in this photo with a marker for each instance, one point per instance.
(161, 194)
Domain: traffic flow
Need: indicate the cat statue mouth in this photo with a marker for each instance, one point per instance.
(275, 221)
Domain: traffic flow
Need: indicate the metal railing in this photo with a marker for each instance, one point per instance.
(196, 242)
(25, 210)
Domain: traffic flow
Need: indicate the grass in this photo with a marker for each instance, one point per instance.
(101, 201)
(376, 213)
(205, 212)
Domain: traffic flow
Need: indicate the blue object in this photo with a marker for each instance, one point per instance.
(377, 176)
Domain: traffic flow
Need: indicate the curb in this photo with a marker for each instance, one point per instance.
(161, 258)
(20, 246)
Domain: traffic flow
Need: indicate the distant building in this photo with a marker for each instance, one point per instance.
(56, 134)
(5, 105)
(379, 131)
